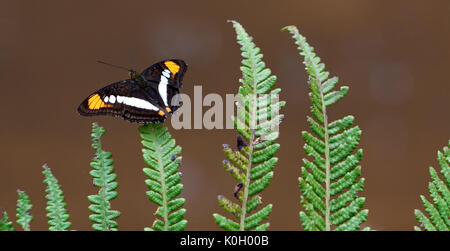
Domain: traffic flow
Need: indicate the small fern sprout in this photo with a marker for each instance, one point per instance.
(58, 218)
(160, 154)
(5, 224)
(329, 183)
(257, 126)
(104, 177)
(439, 211)
(23, 214)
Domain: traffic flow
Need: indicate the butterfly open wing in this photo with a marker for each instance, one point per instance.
(122, 99)
(168, 76)
(176, 68)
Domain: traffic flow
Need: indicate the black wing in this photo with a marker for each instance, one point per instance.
(167, 75)
(123, 99)
(176, 67)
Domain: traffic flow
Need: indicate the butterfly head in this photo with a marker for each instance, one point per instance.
(133, 74)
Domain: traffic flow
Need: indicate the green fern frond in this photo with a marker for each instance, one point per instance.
(257, 123)
(330, 182)
(161, 156)
(5, 225)
(104, 177)
(439, 211)
(58, 218)
(24, 206)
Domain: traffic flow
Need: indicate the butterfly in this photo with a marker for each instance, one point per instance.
(143, 98)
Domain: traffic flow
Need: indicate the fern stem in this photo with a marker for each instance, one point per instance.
(163, 184)
(327, 159)
(102, 192)
(327, 152)
(245, 196)
(164, 193)
(104, 209)
(252, 138)
(249, 167)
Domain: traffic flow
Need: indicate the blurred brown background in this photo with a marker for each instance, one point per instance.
(394, 55)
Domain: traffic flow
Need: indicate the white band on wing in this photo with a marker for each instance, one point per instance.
(162, 87)
(132, 101)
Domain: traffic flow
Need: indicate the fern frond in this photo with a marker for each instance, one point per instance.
(104, 178)
(5, 225)
(438, 210)
(24, 206)
(330, 182)
(161, 156)
(58, 218)
(257, 123)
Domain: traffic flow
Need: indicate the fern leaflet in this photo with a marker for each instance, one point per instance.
(257, 124)
(439, 211)
(23, 210)
(58, 218)
(335, 167)
(104, 176)
(5, 225)
(160, 154)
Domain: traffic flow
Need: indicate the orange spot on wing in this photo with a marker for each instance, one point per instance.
(161, 113)
(98, 104)
(91, 99)
(95, 102)
(168, 109)
(172, 66)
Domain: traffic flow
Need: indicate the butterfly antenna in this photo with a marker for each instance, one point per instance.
(117, 66)
(131, 56)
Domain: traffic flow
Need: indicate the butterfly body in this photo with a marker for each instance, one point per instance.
(143, 98)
